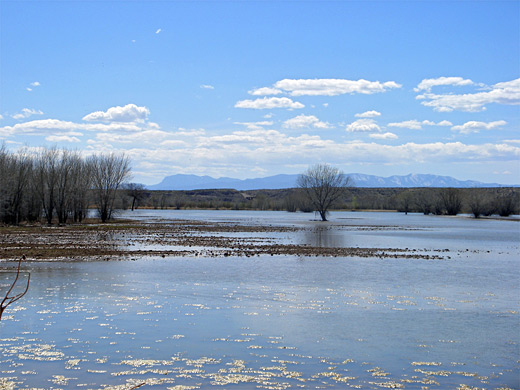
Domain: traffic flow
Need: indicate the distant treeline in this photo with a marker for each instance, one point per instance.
(58, 185)
(61, 186)
(440, 201)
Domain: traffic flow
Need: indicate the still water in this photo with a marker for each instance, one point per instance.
(280, 321)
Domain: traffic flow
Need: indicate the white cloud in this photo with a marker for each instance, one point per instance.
(1, 117)
(411, 124)
(428, 84)
(207, 86)
(265, 91)
(33, 84)
(274, 151)
(368, 114)
(255, 125)
(149, 137)
(62, 138)
(269, 103)
(363, 125)
(383, 136)
(305, 121)
(332, 87)
(475, 127)
(501, 93)
(417, 125)
(128, 113)
(42, 126)
(26, 113)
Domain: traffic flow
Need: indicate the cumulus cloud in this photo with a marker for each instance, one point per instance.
(362, 125)
(332, 87)
(305, 121)
(26, 113)
(507, 93)
(368, 114)
(128, 113)
(269, 103)
(42, 126)
(417, 125)
(265, 91)
(149, 137)
(272, 150)
(255, 125)
(207, 86)
(383, 136)
(32, 85)
(475, 127)
(62, 138)
(428, 84)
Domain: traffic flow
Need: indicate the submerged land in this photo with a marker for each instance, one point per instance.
(128, 239)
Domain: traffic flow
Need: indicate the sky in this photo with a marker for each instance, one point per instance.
(249, 89)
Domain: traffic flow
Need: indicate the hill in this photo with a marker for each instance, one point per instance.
(194, 182)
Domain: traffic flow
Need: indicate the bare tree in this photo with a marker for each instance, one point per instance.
(476, 203)
(506, 204)
(15, 172)
(451, 200)
(80, 188)
(46, 179)
(137, 192)
(109, 171)
(323, 185)
(424, 201)
(405, 202)
(10, 299)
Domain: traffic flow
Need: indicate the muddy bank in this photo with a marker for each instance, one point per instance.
(131, 239)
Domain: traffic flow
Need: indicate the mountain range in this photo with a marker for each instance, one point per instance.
(194, 182)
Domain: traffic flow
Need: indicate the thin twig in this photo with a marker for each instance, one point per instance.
(11, 299)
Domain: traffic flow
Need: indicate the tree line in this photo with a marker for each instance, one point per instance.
(59, 184)
(490, 201)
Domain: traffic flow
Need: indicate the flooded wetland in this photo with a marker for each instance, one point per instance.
(265, 300)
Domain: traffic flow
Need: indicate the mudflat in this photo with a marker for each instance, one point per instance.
(130, 239)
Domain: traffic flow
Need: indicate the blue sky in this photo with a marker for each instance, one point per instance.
(250, 89)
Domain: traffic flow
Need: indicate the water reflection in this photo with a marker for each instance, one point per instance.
(324, 237)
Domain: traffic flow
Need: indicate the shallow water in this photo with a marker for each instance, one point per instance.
(280, 321)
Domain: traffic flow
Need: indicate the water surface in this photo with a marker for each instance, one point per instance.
(280, 321)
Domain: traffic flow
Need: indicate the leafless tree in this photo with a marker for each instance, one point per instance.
(476, 203)
(80, 188)
(68, 161)
(15, 172)
(46, 179)
(506, 204)
(424, 201)
(10, 299)
(451, 200)
(136, 192)
(405, 202)
(323, 185)
(109, 171)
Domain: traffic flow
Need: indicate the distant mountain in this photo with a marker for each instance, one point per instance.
(194, 182)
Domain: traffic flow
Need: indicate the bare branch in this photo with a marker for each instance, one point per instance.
(8, 300)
